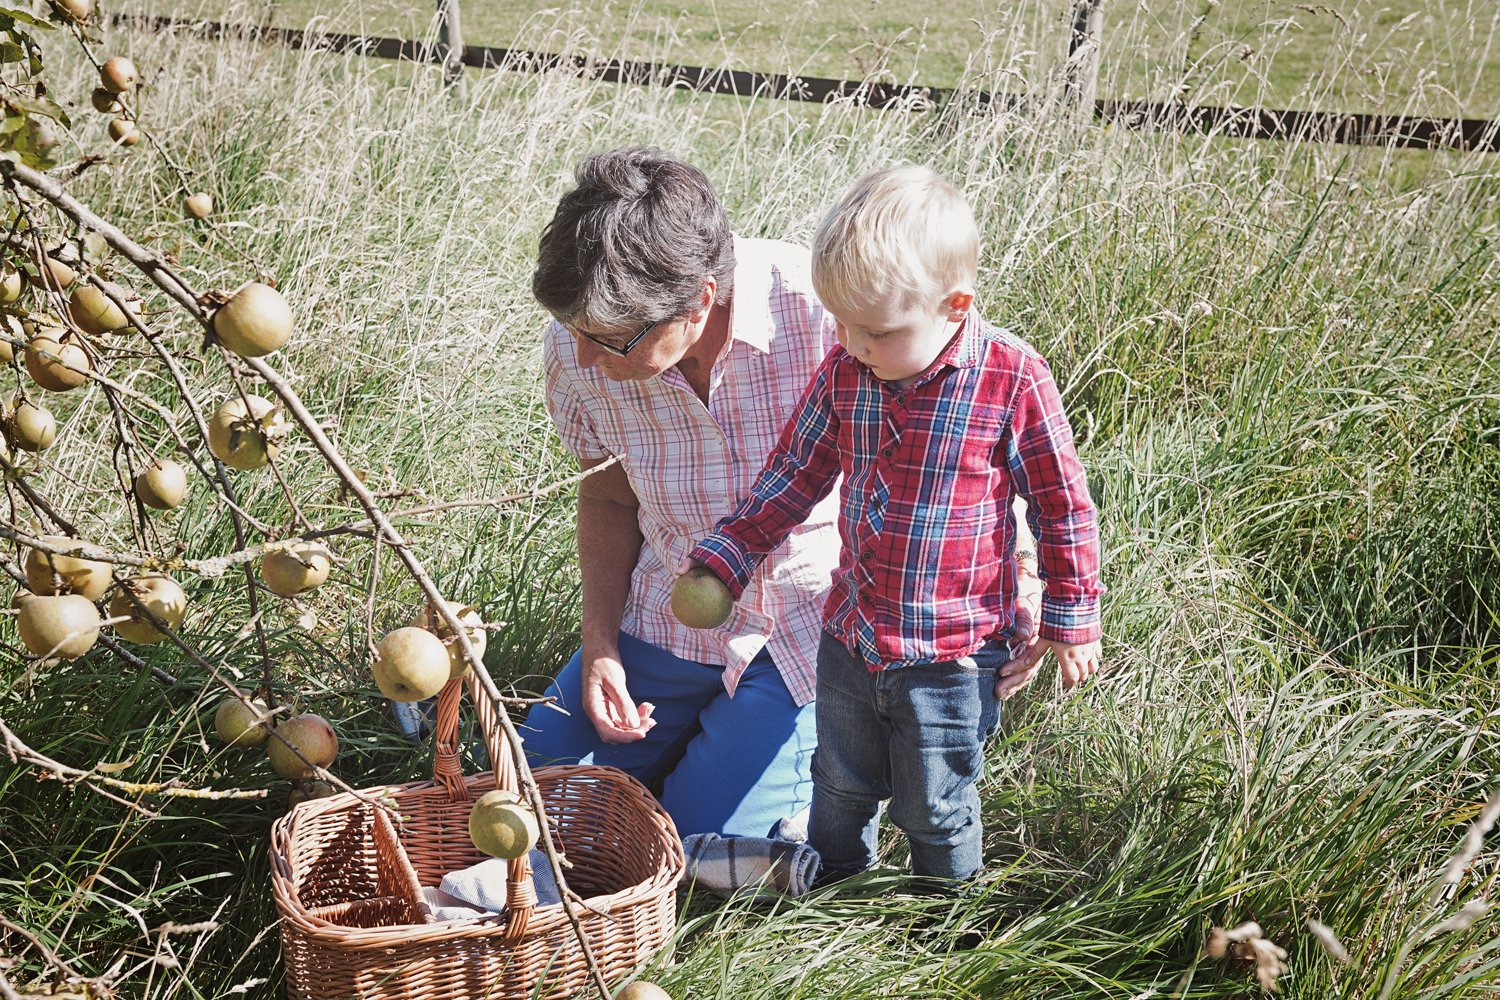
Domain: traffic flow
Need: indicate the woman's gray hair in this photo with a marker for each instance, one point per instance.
(632, 243)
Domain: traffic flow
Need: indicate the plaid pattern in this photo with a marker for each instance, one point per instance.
(929, 472)
(690, 465)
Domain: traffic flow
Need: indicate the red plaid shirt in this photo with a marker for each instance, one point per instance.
(926, 573)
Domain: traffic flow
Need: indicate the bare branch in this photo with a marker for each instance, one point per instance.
(70, 775)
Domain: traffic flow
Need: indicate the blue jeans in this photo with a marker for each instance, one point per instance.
(742, 763)
(914, 735)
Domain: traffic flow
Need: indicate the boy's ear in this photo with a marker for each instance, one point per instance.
(958, 304)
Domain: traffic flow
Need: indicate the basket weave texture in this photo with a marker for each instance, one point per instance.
(347, 886)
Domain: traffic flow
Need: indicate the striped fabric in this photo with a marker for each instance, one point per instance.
(929, 473)
(690, 465)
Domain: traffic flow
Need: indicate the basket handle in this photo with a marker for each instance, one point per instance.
(447, 770)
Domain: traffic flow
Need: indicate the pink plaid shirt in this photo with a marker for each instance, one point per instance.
(691, 465)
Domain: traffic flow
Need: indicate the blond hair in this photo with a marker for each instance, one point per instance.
(900, 231)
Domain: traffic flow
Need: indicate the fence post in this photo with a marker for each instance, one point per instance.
(1084, 42)
(451, 46)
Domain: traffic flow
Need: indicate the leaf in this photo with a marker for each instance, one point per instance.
(118, 766)
(44, 106)
(9, 9)
(34, 143)
(12, 123)
(11, 52)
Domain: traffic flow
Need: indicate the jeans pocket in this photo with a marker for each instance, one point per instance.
(986, 659)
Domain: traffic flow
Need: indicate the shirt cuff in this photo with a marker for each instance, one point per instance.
(727, 560)
(1072, 622)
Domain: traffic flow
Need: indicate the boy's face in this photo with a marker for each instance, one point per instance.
(897, 340)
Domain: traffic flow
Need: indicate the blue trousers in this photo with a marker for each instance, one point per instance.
(913, 735)
(742, 763)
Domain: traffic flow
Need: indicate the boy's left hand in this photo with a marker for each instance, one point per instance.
(1078, 661)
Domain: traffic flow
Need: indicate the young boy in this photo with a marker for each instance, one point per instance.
(936, 421)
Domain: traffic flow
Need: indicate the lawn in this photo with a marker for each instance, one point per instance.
(1280, 362)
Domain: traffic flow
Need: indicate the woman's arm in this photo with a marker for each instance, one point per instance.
(609, 544)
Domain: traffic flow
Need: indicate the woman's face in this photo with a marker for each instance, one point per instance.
(662, 348)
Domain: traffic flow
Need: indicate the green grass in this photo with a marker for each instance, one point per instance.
(1281, 364)
(1437, 57)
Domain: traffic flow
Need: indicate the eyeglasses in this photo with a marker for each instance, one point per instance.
(618, 352)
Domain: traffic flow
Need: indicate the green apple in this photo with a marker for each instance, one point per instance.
(700, 599)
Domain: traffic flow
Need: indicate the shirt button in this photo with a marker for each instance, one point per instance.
(901, 400)
(865, 598)
(886, 452)
(867, 554)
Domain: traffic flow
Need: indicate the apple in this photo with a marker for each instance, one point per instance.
(237, 724)
(60, 375)
(32, 427)
(159, 593)
(65, 626)
(105, 102)
(502, 826)
(79, 576)
(123, 131)
(162, 486)
(309, 733)
(118, 75)
(95, 312)
(410, 664)
(247, 442)
(700, 599)
(643, 991)
(294, 570)
(458, 664)
(12, 284)
(254, 322)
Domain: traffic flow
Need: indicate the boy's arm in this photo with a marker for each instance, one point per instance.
(1046, 471)
(798, 473)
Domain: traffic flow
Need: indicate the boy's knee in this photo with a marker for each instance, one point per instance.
(934, 823)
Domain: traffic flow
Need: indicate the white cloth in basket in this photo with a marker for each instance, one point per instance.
(479, 891)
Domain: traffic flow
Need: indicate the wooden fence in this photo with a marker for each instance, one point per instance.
(1475, 135)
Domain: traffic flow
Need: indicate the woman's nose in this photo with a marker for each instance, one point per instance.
(589, 355)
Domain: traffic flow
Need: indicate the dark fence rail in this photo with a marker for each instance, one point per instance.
(1475, 135)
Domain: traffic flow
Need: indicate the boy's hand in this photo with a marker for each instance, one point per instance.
(1078, 661)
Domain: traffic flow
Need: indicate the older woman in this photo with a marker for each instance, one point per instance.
(679, 350)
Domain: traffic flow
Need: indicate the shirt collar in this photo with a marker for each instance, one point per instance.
(962, 351)
(750, 307)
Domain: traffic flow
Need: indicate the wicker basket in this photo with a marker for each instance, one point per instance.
(348, 887)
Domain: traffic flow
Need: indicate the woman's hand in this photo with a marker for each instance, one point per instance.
(607, 702)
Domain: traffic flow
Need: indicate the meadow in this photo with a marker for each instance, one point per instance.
(1280, 361)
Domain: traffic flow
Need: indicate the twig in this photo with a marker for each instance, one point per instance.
(15, 748)
(217, 566)
(152, 265)
(47, 953)
(509, 498)
(310, 426)
(160, 624)
(135, 661)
